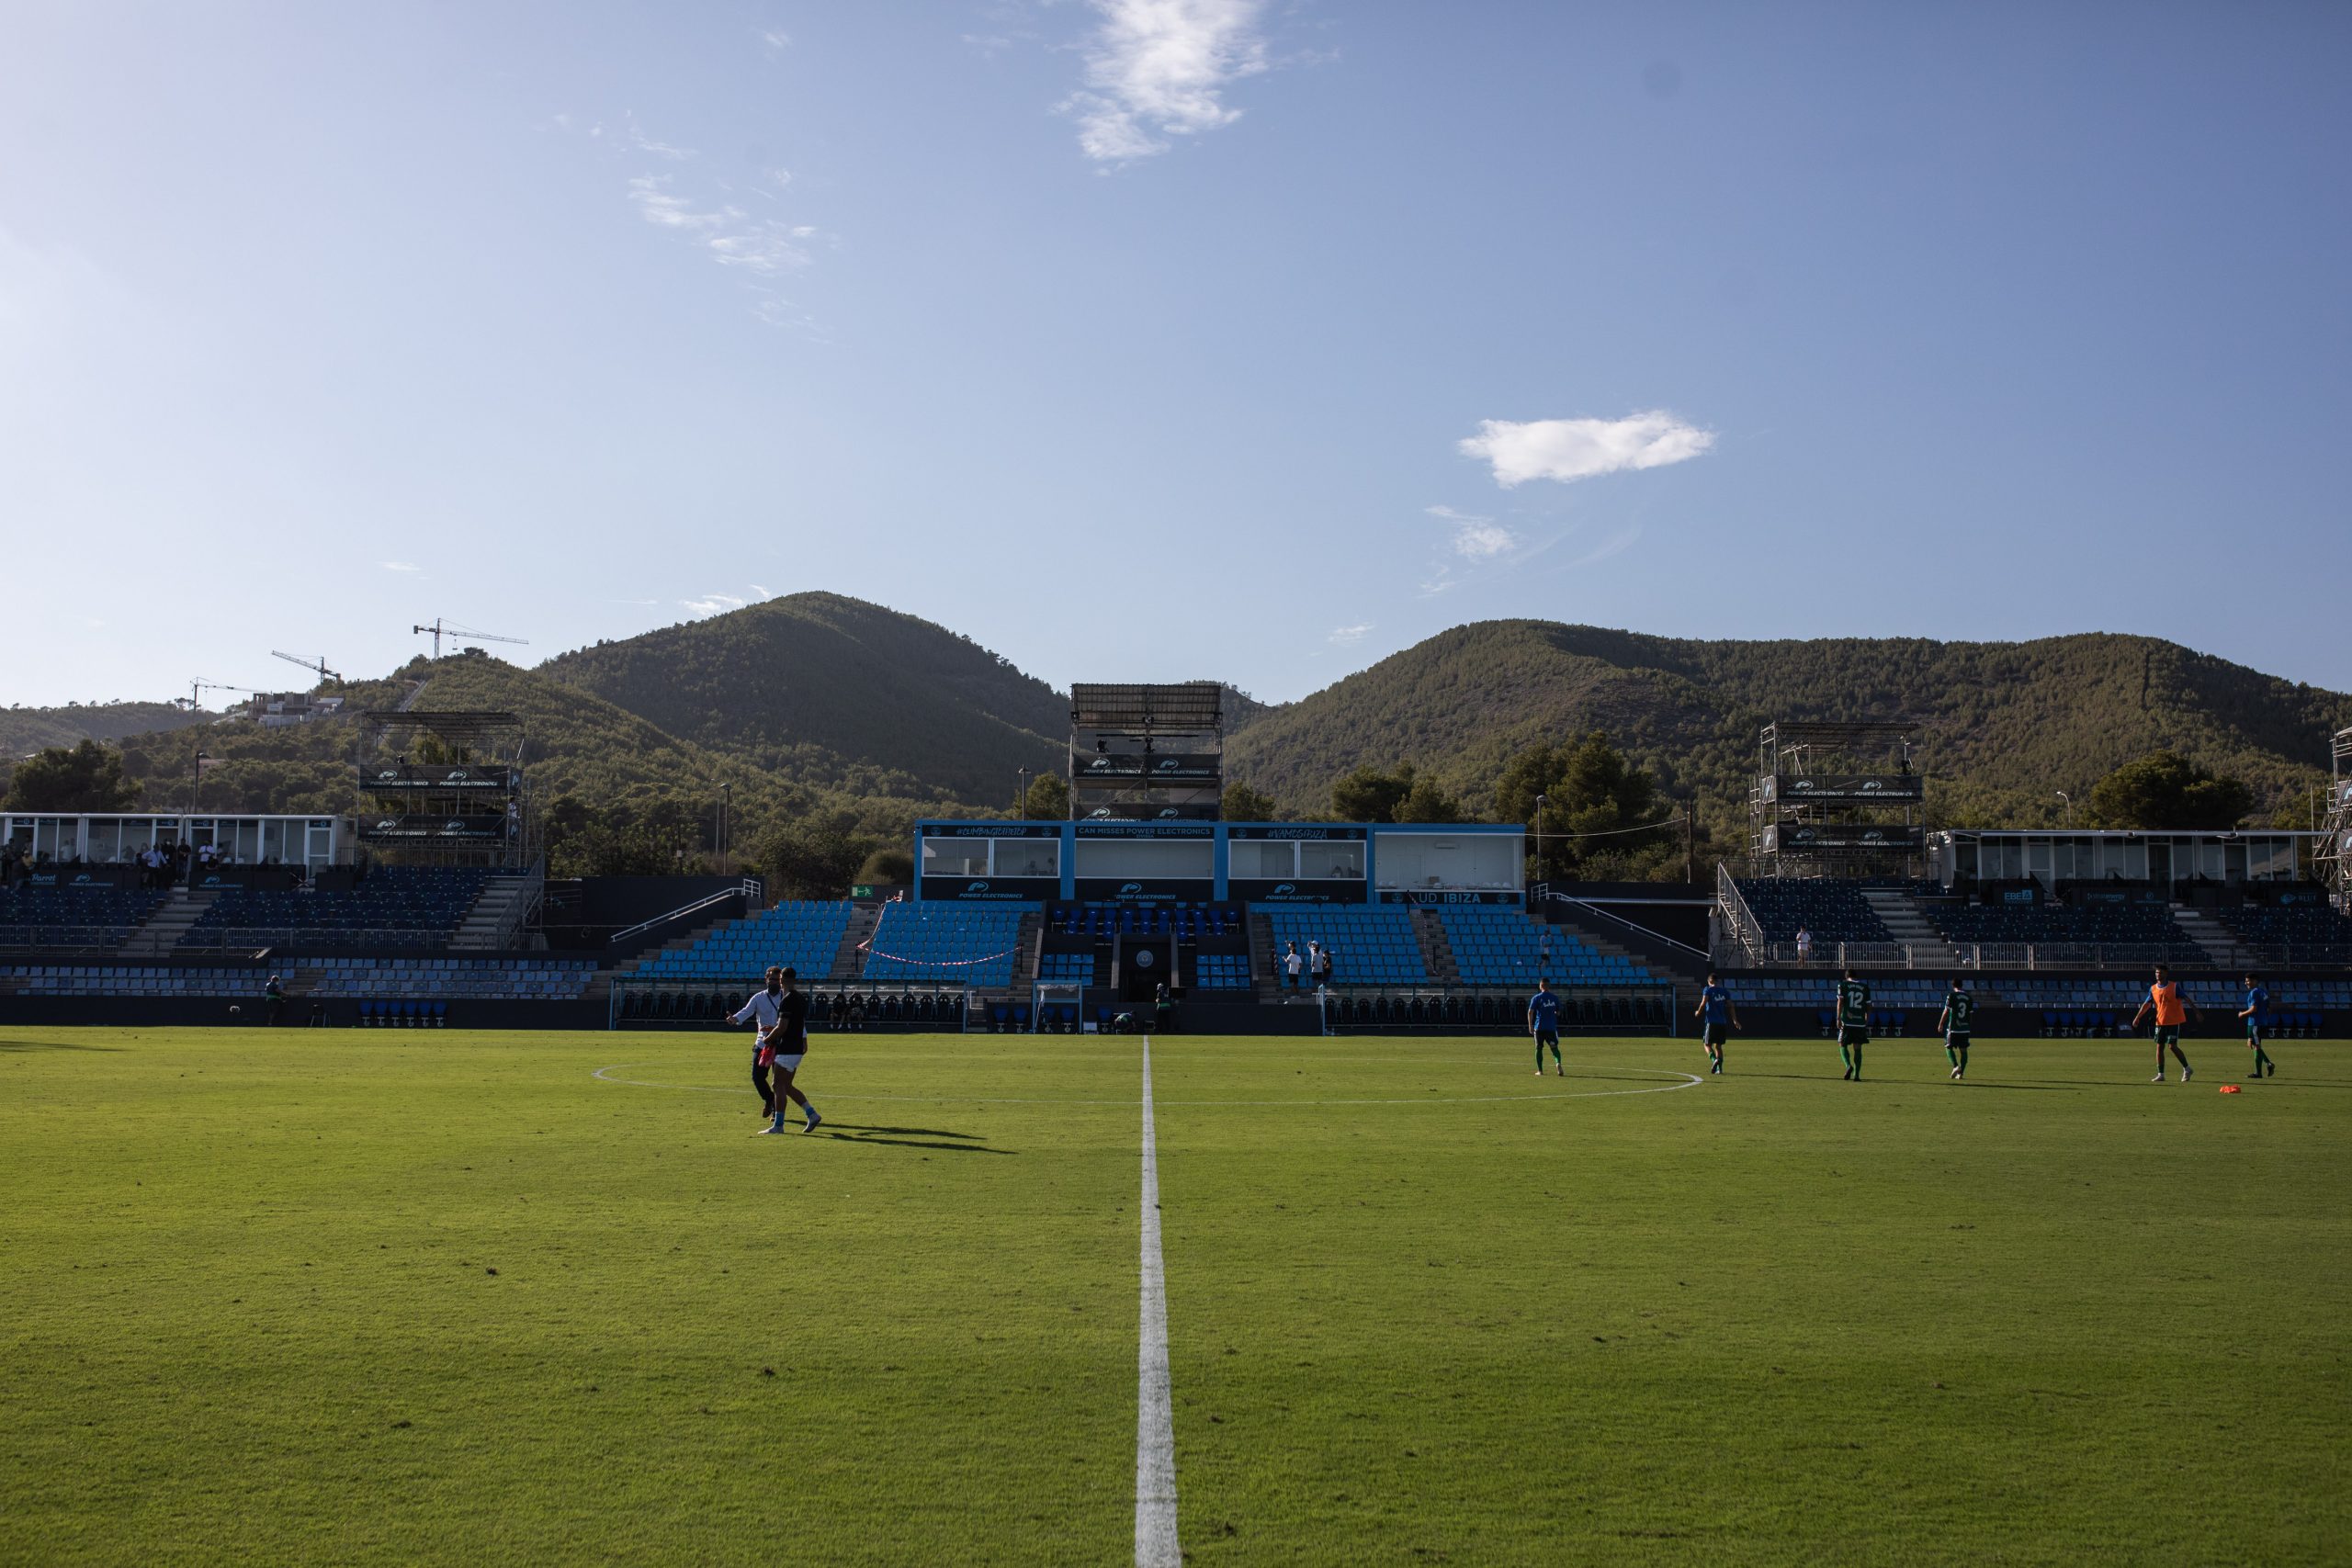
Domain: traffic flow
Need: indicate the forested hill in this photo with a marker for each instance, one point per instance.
(837, 694)
(25, 730)
(2006, 724)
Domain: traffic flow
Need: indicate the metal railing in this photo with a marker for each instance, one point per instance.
(1740, 922)
(941, 1004)
(1543, 890)
(1938, 956)
(751, 890)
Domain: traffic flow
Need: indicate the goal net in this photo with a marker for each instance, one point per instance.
(1057, 1009)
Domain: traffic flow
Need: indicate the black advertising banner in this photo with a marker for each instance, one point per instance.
(85, 877)
(1793, 839)
(1300, 890)
(990, 889)
(413, 828)
(1438, 896)
(1146, 890)
(1296, 830)
(1145, 811)
(1160, 828)
(1173, 767)
(438, 777)
(1845, 789)
(990, 829)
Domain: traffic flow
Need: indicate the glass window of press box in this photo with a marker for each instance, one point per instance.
(1425, 861)
(991, 857)
(1134, 859)
(2150, 857)
(1286, 860)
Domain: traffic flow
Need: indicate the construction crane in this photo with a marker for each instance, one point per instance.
(441, 628)
(198, 687)
(319, 664)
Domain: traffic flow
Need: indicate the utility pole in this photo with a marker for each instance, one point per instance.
(1024, 793)
(1690, 845)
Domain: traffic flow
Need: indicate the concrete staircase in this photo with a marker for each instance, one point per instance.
(2218, 944)
(1262, 971)
(496, 916)
(1437, 953)
(849, 958)
(1027, 944)
(1906, 922)
(160, 932)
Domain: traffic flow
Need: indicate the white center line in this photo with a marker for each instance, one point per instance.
(1155, 1406)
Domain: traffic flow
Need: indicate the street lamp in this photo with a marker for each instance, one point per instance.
(1541, 873)
(1024, 793)
(2070, 806)
(200, 760)
(724, 799)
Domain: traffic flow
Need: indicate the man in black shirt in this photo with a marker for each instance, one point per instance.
(782, 1012)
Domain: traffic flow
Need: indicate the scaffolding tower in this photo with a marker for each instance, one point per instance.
(1837, 800)
(2334, 853)
(443, 789)
(1146, 753)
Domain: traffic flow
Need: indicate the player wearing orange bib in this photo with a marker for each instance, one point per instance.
(2164, 999)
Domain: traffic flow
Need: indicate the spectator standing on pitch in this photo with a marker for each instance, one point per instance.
(2170, 1008)
(1853, 1023)
(782, 1012)
(2257, 1013)
(1718, 1017)
(1960, 1008)
(273, 991)
(1163, 1009)
(1544, 1024)
(1292, 965)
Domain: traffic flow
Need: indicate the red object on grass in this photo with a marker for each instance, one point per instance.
(2232, 1089)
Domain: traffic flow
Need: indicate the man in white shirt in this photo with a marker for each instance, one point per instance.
(782, 1010)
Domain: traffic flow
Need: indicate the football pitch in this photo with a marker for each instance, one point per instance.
(396, 1297)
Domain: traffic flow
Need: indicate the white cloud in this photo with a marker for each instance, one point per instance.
(1617, 544)
(1476, 538)
(712, 605)
(775, 39)
(398, 566)
(1348, 636)
(730, 236)
(1571, 449)
(656, 205)
(763, 589)
(1155, 68)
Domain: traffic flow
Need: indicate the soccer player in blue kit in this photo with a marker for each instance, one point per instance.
(1544, 1022)
(1718, 1017)
(2257, 1013)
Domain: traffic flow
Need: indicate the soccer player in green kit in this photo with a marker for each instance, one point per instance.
(1853, 1023)
(1959, 1008)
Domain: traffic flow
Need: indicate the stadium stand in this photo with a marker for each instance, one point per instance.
(1221, 971)
(498, 979)
(396, 908)
(2313, 932)
(133, 980)
(1833, 910)
(1495, 946)
(88, 917)
(2150, 926)
(971, 943)
(1184, 924)
(799, 934)
(1369, 947)
(1066, 969)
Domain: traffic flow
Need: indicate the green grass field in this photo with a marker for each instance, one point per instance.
(450, 1298)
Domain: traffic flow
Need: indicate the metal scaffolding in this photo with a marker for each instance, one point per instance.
(2334, 855)
(1837, 799)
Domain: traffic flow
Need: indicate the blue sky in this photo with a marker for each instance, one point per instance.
(1157, 339)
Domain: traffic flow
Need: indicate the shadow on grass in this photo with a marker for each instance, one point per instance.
(850, 1132)
(52, 1046)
